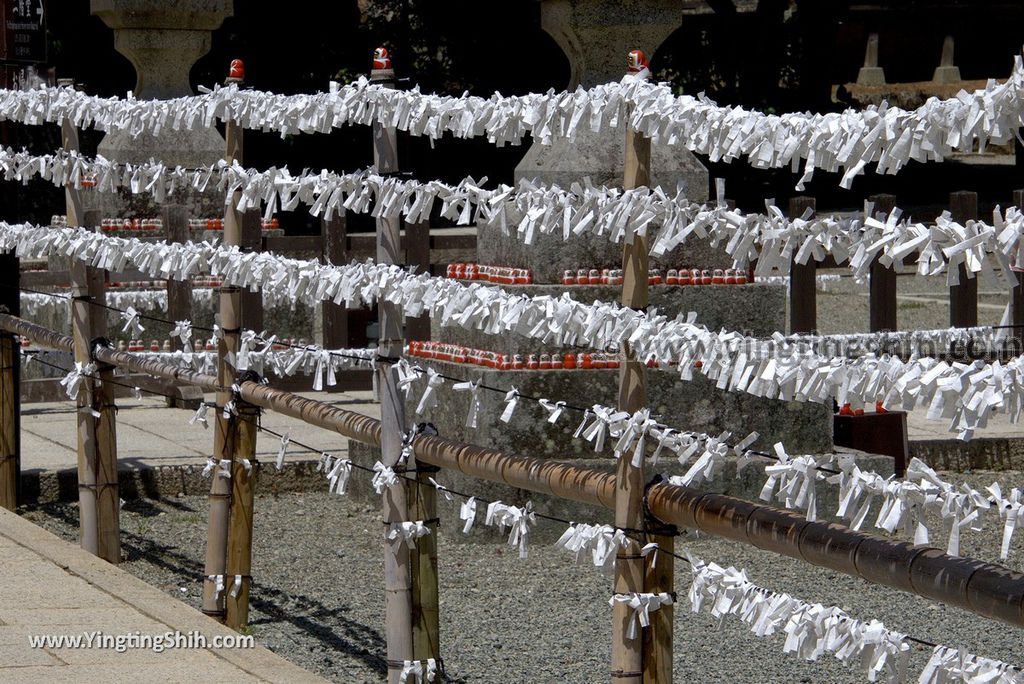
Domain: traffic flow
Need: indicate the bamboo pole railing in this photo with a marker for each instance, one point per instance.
(983, 588)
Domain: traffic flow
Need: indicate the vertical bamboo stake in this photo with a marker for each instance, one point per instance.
(226, 433)
(243, 490)
(397, 575)
(417, 249)
(252, 240)
(335, 237)
(179, 292)
(10, 387)
(660, 578)
(627, 654)
(423, 560)
(99, 503)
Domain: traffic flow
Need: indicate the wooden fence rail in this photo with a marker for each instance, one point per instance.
(882, 302)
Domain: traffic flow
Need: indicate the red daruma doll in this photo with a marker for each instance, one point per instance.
(381, 58)
(636, 61)
(236, 70)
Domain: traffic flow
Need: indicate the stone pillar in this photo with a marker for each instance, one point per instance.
(596, 36)
(163, 40)
(947, 71)
(871, 74)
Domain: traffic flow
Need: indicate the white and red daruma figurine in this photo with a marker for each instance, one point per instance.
(381, 58)
(636, 61)
(237, 69)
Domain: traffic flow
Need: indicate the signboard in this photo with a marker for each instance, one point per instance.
(24, 36)
(25, 76)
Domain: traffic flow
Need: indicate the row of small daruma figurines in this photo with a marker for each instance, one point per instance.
(456, 353)
(508, 275)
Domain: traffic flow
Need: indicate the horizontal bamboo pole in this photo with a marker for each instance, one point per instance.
(983, 588)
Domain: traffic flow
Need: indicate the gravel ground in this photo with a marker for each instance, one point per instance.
(318, 599)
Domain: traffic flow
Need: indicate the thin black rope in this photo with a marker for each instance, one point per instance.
(631, 534)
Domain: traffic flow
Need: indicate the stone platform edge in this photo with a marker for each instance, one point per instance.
(259, 662)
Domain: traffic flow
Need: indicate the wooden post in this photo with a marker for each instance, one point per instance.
(803, 294)
(417, 249)
(1017, 296)
(628, 663)
(660, 578)
(426, 613)
(179, 292)
(397, 575)
(963, 298)
(226, 432)
(252, 241)
(882, 301)
(335, 236)
(99, 503)
(243, 489)
(10, 385)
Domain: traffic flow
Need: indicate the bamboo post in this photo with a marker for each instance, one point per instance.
(882, 300)
(417, 249)
(335, 237)
(627, 654)
(397, 575)
(803, 293)
(1017, 295)
(10, 387)
(99, 503)
(423, 559)
(243, 489)
(179, 292)
(226, 433)
(660, 577)
(963, 298)
(251, 240)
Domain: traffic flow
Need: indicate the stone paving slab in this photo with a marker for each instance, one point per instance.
(999, 426)
(151, 435)
(52, 587)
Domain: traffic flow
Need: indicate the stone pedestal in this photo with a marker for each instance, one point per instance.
(162, 40)
(597, 35)
(691, 405)
(757, 309)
